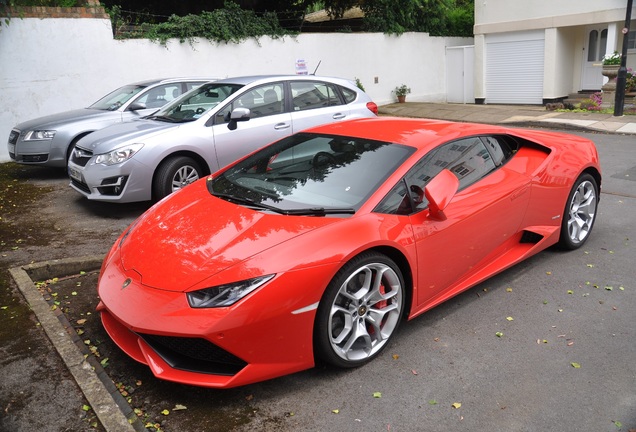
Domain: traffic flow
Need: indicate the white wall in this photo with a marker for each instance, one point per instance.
(53, 65)
(505, 15)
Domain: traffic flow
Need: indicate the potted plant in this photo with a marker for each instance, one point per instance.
(611, 64)
(401, 92)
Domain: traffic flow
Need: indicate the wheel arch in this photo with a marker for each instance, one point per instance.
(597, 176)
(402, 262)
(191, 154)
(74, 141)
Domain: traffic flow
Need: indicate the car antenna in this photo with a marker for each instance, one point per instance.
(317, 67)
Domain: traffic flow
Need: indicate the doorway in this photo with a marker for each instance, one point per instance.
(595, 50)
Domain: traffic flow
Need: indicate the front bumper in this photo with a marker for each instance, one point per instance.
(49, 152)
(265, 335)
(129, 181)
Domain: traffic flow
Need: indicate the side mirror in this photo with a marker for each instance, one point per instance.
(136, 106)
(238, 115)
(439, 192)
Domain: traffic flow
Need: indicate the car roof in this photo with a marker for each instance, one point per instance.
(151, 82)
(245, 80)
(420, 133)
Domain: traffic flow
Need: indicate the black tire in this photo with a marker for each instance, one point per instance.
(579, 213)
(173, 174)
(373, 314)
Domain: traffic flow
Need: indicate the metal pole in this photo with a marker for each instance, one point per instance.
(622, 70)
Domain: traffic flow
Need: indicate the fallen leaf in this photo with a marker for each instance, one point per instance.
(413, 371)
(432, 402)
(457, 405)
(396, 356)
(249, 397)
(335, 411)
(548, 273)
(508, 289)
(86, 407)
(179, 407)
(510, 318)
(165, 412)
(377, 394)
(576, 365)
(499, 334)
(570, 292)
(81, 321)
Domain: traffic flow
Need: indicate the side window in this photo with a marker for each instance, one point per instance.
(467, 158)
(308, 95)
(159, 96)
(499, 148)
(262, 101)
(349, 95)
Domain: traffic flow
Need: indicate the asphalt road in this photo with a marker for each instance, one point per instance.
(564, 361)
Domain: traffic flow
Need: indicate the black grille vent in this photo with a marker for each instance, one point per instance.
(81, 186)
(13, 136)
(194, 355)
(81, 156)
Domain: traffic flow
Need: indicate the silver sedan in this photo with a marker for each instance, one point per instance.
(49, 140)
(205, 130)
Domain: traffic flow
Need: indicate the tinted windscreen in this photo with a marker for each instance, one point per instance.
(114, 100)
(309, 171)
(195, 103)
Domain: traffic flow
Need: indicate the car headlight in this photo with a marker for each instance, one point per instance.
(119, 155)
(225, 295)
(39, 135)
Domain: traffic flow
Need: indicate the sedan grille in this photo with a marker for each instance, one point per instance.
(13, 136)
(194, 355)
(80, 156)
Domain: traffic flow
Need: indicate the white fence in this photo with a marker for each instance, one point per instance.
(56, 64)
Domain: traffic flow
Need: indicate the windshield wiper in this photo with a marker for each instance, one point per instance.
(312, 211)
(318, 211)
(248, 202)
(163, 118)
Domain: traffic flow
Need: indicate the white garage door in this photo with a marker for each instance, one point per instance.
(514, 70)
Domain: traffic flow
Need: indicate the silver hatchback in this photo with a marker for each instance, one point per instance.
(204, 130)
(49, 140)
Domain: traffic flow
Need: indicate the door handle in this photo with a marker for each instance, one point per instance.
(339, 116)
(281, 126)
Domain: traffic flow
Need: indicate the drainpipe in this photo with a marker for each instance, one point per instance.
(622, 70)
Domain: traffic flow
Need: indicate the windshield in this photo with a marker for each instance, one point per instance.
(114, 100)
(311, 174)
(195, 103)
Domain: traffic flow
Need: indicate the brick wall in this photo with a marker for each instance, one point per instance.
(93, 9)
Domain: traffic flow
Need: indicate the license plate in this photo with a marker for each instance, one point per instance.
(75, 174)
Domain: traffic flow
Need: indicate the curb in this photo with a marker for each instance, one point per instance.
(109, 405)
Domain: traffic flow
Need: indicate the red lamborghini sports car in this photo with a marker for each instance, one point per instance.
(316, 247)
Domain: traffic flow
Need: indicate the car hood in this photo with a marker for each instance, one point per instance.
(189, 237)
(54, 121)
(111, 137)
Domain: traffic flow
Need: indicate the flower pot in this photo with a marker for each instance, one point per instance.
(611, 72)
(401, 99)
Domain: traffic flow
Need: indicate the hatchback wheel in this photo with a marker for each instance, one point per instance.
(580, 213)
(174, 174)
(360, 311)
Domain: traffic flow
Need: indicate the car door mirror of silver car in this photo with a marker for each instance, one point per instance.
(237, 115)
(136, 106)
(439, 192)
